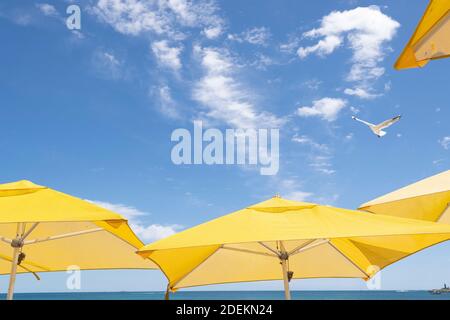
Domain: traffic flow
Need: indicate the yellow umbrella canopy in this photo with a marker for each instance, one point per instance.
(427, 199)
(431, 39)
(45, 230)
(307, 239)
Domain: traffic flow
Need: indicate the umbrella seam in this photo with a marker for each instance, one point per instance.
(348, 259)
(368, 205)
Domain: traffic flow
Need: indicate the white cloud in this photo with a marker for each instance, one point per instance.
(438, 161)
(361, 93)
(22, 19)
(258, 36)
(322, 48)
(291, 45)
(354, 110)
(154, 232)
(322, 164)
(167, 56)
(107, 65)
(132, 16)
(262, 61)
(312, 84)
(168, 106)
(301, 196)
(445, 142)
(147, 233)
(195, 13)
(305, 140)
(320, 156)
(163, 17)
(47, 9)
(223, 96)
(292, 190)
(213, 32)
(325, 108)
(364, 30)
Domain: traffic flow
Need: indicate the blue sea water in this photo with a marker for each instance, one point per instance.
(236, 295)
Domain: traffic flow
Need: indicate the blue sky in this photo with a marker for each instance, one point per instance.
(90, 112)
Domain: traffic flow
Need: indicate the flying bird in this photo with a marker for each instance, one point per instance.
(377, 129)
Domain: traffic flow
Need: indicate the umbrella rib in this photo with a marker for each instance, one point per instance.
(348, 259)
(26, 234)
(250, 251)
(25, 268)
(6, 240)
(62, 236)
(307, 243)
(308, 246)
(269, 248)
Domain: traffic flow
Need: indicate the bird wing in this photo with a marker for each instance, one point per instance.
(388, 123)
(365, 122)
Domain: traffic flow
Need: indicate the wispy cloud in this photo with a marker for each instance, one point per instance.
(438, 162)
(213, 32)
(22, 19)
(320, 155)
(47, 9)
(312, 84)
(445, 142)
(223, 96)
(162, 17)
(147, 232)
(292, 190)
(262, 61)
(305, 140)
(166, 55)
(168, 106)
(107, 65)
(322, 163)
(257, 36)
(325, 108)
(363, 93)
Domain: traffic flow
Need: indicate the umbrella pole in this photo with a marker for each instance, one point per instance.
(12, 276)
(283, 257)
(16, 244)
(167, 294)
(287, 292)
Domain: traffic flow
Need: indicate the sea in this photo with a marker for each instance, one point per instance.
(236, 295)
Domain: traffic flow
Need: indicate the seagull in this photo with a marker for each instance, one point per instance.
(377, 129)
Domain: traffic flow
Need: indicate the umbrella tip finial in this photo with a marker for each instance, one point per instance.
(277, 195)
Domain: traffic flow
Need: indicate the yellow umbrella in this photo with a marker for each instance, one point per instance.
(45, 230)
(431, 39)
(307, 239)
(427, 199)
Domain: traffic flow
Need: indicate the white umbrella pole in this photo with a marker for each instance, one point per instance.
(12, 276)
